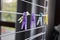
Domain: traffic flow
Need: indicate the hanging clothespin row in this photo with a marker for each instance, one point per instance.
(40, 19)
(33, 20)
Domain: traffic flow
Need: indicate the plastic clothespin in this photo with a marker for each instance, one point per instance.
(33, 21)
(40, 19)
(21, 18)
(24, 22)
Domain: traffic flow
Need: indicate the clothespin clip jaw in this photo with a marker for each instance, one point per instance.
(20, 19)
(41, 14)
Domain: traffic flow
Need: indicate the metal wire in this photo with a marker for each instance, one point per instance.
(18, 13)
(30, 38)
(34, 4)
(10, 12)
(22, 13)
(4, 35)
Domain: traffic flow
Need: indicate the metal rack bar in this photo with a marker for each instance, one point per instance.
(34, 4)
(4, 35)
(51, 19)
(30, 38)
(17, 13)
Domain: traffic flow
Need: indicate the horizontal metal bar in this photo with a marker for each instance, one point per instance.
(34, 4)
(10, 12)
(18, 13)
(21, 31)
(30, 38)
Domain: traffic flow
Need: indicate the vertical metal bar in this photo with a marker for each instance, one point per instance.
(0, 19)
(51, 14)
(39, 11)
(21, 7)
(33, 10)
(45, 12)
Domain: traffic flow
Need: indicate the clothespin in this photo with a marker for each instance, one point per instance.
(21, 18)
(46, 19)
(40, 19)
(33, 21)
(24, 22)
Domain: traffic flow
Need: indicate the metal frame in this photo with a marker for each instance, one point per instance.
(21, 7)
(51, 16)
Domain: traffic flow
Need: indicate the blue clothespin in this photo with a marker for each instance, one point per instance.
(33, 21)
(40, 19)
(24, 23)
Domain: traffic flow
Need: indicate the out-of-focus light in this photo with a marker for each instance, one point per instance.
(8, 1)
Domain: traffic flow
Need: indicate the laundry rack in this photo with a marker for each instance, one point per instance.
(26, 33)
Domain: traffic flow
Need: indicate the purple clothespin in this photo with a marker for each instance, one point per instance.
(24, 23)
(33, 21)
